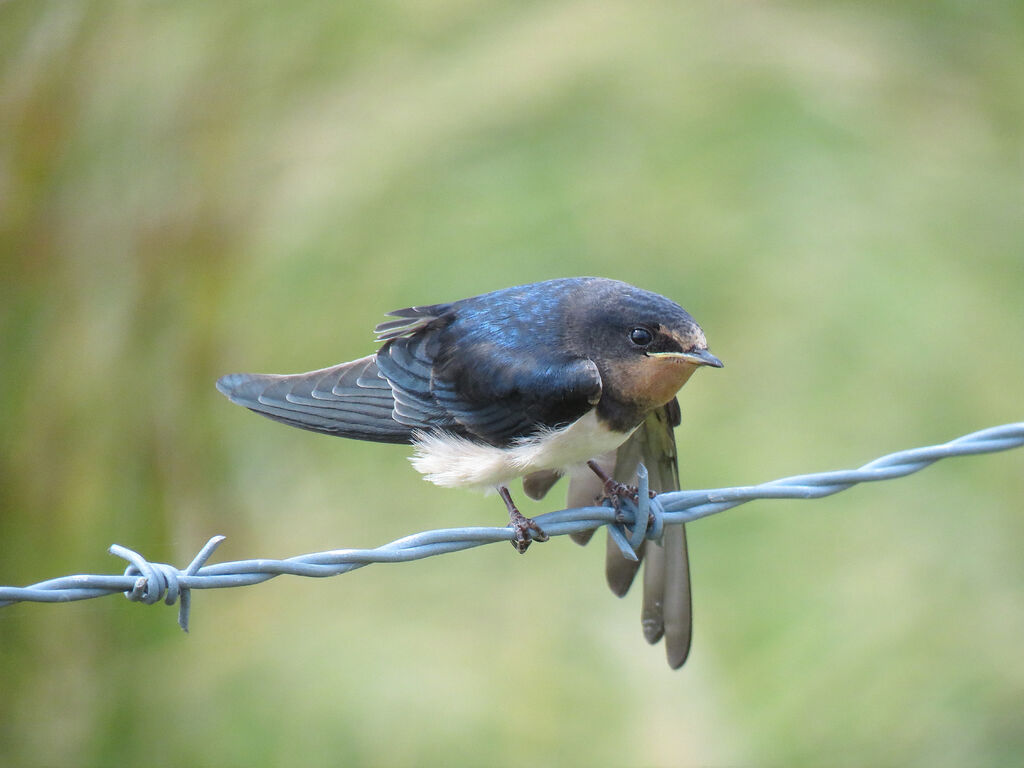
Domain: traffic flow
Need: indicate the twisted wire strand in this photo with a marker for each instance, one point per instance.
(146, 582)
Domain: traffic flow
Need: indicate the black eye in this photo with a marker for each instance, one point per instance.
(641, 337)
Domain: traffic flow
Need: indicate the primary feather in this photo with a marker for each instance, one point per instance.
(348, 400)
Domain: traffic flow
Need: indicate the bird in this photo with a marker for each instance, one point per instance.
(533, 381)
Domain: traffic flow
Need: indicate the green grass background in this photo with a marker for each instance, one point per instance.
(835, 190)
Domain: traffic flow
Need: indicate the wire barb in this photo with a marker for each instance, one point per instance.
(147, 582)
(156, 580)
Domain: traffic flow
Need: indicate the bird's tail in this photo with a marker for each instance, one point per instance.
(348, 400)
(667, 610)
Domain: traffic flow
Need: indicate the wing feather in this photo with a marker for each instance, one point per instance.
(330, 400)
(410, 321)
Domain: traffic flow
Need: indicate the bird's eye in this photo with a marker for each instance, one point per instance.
(641, 337)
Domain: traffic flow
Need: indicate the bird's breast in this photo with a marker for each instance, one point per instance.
(456, 462)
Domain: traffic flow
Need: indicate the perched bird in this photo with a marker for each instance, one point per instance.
(532, 380)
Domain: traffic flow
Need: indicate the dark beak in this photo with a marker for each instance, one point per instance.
(703, 357)
(696, 357)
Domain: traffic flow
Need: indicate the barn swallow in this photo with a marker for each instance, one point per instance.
(531, 379)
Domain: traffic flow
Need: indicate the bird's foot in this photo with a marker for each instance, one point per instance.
(615, 491)
(521, 524)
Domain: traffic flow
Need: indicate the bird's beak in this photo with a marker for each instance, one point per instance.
(697, 357)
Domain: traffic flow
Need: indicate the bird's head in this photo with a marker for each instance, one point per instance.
(645, 346)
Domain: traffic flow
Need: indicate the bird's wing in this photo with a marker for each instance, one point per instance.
(499, 397)
(476, 368)
(407, 363)
(384, 397)
(349, 400)
(424, 378)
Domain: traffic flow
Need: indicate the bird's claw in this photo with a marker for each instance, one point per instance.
(615, 492)
(523, 526)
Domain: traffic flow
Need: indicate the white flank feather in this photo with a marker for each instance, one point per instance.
(455, 462)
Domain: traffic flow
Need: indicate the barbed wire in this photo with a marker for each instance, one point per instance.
(146, 582)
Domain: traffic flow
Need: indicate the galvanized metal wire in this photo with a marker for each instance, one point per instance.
(147, 582)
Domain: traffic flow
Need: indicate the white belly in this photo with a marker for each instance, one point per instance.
(455, 462)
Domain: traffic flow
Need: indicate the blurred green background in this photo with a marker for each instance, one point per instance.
(834, 190)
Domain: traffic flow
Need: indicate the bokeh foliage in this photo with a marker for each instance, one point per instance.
(835, 190)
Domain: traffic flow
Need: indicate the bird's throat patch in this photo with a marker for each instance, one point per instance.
(653, 381)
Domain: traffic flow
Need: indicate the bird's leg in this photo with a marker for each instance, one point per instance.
(521, 524)
(615, 491)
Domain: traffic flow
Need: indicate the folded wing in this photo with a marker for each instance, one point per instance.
(349, 400)
(429, 375)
